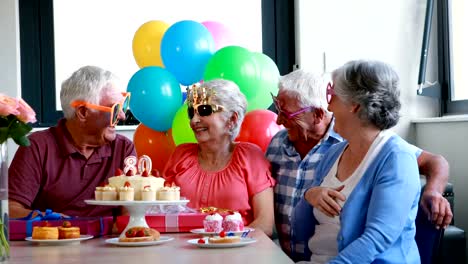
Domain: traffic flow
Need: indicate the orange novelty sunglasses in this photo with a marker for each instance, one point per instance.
(114, 110)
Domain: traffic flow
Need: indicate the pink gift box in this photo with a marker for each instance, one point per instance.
(95, 226)
(168, 223)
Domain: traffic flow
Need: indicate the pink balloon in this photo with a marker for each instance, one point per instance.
(222, 35)
(259, 127)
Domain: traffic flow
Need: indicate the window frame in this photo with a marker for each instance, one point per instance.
(38, 58)
(445, 65)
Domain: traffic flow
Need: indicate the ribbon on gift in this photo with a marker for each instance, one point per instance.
(169, 209)
(212, 209)
(37, 215)
(172, 222)
(101, 226)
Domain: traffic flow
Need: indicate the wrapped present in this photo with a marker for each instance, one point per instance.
(168, 223)
(21, 228)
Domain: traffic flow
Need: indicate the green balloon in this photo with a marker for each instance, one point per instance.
(236, 64)
(255, 74)
(267, 82)
(181, 130)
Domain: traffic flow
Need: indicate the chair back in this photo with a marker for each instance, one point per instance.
(428, 238)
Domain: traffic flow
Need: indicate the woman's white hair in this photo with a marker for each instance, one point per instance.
(228, 94)
(85, 84)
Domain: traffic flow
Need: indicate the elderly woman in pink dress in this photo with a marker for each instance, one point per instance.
(217, 171)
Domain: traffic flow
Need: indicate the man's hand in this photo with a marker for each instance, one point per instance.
(437, 208)
(325, 199)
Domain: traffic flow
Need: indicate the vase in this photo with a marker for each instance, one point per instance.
(4, 241)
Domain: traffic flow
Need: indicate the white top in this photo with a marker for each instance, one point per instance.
(323, 243)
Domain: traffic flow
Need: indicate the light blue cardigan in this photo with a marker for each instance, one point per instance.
(377, 220)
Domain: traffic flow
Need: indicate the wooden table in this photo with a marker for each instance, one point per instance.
(175, 251)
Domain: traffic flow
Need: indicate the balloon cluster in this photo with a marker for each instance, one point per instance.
(185, 53)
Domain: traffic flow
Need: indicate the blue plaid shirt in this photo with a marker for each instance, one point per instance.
(293, 175)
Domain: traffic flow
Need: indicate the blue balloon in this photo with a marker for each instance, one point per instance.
(184, 97)
(155, 97)
(186, 48)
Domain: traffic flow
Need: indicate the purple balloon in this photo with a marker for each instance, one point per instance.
(222, 35)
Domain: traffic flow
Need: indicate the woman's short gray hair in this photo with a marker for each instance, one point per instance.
(228, 94)
(307, 87)
(85, 84)
(374, 86)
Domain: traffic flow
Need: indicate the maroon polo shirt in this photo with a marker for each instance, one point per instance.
(53, 174)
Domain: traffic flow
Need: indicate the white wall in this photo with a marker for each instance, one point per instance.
(10, 79)
(387, 30)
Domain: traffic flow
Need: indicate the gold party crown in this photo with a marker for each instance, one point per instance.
(199, 95)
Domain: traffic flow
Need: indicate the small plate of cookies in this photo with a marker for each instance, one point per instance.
(59, 241)
(222, 242)
(48, 234)
(137, 236)
(161, 240)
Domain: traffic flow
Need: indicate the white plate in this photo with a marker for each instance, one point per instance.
(59, 241)
(130, 203)
(244, 241)
(115, 241)
(201, 231)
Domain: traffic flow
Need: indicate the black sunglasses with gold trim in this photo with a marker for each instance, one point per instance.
(203, 110)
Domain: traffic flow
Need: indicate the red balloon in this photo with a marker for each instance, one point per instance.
(157, 145)
(259, 127)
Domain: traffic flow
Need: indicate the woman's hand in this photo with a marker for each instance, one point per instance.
(325, 199)
(436, 207)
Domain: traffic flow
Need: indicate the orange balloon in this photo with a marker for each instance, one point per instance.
(157, 145)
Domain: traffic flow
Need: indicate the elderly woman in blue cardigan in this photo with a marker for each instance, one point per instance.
(363, 203)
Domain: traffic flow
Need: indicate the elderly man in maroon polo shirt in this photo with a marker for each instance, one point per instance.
(65, 163)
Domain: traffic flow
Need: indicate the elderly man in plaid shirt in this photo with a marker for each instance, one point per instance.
(295, 152)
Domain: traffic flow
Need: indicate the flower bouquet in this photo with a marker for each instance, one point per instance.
(15, 114)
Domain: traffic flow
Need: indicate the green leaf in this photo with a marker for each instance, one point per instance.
(19, 128)
(22, 141)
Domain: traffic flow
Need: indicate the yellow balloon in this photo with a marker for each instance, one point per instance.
(147, 43)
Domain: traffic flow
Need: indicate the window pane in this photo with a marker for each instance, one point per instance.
(459, 43)
(100, 32)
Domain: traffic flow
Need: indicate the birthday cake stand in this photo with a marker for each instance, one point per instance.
(136, 209)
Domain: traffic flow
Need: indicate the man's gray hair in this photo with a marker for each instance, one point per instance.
(308, 88)
(85, 84)
(374, 86)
